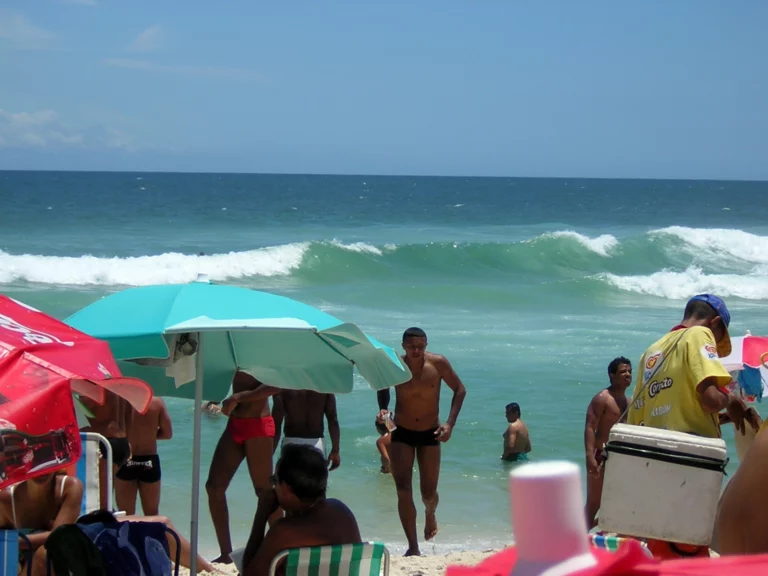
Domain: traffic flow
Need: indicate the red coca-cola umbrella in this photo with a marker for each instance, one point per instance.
(42, 362)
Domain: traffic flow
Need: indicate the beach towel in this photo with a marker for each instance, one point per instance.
(70, 551)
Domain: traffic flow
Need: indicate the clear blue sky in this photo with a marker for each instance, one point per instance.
(651, 89)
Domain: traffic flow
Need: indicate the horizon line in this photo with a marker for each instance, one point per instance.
(361, 175)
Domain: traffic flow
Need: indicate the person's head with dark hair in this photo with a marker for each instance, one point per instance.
(710, 311)
(301, 476)
(414, 343)
(513, 412)
(620, 372)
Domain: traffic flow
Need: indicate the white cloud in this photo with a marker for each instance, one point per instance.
(149, 40)
(18, 32)
(181, 69)
(42, 129)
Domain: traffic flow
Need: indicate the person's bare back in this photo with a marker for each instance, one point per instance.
(107, 419)
(304, 413)
(141, 474)
(146, 429)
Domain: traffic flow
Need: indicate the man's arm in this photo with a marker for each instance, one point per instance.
(594, 414)
(383, 397)
(452, 380)
(68, 513)
(256, 538)
(278, 415)
(712, 398)
(333, 430)
(164, 426)
(277, 539)
(509, 443)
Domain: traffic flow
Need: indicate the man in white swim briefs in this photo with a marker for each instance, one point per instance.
(303, 413)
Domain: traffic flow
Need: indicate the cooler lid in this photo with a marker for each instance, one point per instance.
(714, 448)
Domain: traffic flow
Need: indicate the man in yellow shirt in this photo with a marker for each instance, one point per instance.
(681, 385)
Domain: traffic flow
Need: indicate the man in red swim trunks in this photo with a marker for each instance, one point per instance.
(249, 435)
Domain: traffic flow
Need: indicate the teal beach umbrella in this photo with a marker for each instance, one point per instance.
(188, 340)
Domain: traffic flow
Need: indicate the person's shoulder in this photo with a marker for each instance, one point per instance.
(72, 486)
(600, 398)
(339, 506)
(436, 359)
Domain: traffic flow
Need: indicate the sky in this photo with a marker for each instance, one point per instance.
(652, 89)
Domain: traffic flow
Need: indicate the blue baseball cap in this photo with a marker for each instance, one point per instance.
(718, 305)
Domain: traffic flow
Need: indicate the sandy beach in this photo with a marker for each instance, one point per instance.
(412, 566)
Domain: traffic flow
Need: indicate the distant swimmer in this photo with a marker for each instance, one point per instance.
(212, 408)
(384, 440)
(603, 413)
(419, 434)
(517, 441)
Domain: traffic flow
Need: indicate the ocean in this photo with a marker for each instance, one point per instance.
(528, 286)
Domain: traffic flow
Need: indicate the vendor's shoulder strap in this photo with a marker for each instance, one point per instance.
(656, 368)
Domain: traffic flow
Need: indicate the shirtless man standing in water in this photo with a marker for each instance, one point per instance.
(249, 435)
(141, 473)
(419, 433)
(603, 413)
(109, 420)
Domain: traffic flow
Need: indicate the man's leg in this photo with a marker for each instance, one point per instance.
(594, 494)
(401, 457)
(258, 455)
(125, 495)
(226, 460)
(429, 473)
(150, 497)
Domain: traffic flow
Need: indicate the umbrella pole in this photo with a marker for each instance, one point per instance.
(196, 441)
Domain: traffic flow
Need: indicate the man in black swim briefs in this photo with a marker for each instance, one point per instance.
(141, 475)
(419, 433)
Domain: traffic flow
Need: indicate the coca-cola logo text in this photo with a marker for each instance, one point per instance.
(29, 335)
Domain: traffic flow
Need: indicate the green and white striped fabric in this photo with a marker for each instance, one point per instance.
(366, 559)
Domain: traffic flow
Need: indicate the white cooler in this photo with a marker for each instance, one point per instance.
(661, 484)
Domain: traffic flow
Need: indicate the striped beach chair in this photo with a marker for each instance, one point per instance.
(366, 559)
(612, 542)
(9, 553)
(87, 470)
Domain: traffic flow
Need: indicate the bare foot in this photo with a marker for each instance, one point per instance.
(430, 526)
(223, 559)
(411, 552)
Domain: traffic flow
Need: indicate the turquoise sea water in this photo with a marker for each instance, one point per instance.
(529, 286)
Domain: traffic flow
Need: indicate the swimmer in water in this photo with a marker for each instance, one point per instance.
(517, 442)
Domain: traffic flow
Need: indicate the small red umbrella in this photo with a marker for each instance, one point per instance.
(42, 361)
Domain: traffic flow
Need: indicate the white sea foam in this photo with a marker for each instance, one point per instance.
(718, 242)
(601, 245)
(359, 247)
(166, 268)
(682, 285)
